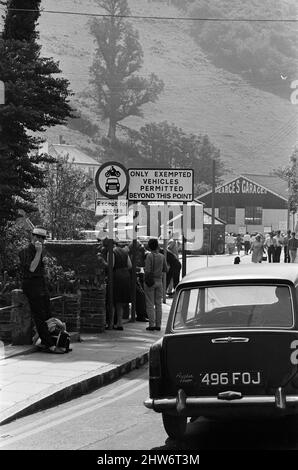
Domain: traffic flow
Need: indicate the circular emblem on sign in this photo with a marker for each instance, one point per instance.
(111, 179)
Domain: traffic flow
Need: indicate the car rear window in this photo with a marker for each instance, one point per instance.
(244, 306)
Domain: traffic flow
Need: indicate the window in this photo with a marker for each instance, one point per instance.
(267, 306)
(253, 215)
(228, 214)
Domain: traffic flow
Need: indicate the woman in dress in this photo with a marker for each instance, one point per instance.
(121, 285)
(257, 250)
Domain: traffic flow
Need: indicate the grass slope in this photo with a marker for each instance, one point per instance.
(254, 130)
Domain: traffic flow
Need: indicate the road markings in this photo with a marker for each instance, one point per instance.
(43, 424)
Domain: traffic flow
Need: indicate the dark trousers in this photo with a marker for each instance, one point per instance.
(174, 273)
(286, 255)
(246, 247)
(271, 254)
(277, 254)
(41, 311)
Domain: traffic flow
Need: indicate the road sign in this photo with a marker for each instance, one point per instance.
(111, 207)
(147, 184)
(111, 179)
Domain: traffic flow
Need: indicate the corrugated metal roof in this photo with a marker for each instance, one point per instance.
(271, 182)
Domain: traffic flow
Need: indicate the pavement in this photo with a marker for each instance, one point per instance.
(31, 380)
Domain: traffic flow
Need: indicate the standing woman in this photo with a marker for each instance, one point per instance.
(238, 243)
(155, 262)
(257, 250)
(121, 285)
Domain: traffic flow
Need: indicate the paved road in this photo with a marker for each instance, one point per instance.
(114, 418)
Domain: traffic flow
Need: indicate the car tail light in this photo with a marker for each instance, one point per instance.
(155, 369)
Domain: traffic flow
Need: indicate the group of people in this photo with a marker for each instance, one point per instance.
(266, 248)
(152, 260)
(149, 260)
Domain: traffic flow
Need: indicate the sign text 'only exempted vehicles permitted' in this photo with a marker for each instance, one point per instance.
(230, 346)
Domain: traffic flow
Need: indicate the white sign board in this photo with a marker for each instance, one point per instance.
(282, 225)
(111, 180)
(2, 93)
(242, 230)
(149, 184)
(115, 207)
(267, 229)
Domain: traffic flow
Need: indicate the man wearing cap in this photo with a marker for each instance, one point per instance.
(35, 287)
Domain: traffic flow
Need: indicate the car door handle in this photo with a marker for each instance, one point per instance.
(230, 339)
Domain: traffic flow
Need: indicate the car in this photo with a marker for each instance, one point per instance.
(113, 184)
(230, 347)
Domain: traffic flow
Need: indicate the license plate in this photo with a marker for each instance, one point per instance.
(230, 378)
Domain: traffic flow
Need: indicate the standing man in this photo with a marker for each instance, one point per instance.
(35, 287)
(292, 247)
(174, 264)
(279, 245)
(246, 240)
(270, 244)
(286, 249)
(156, 263)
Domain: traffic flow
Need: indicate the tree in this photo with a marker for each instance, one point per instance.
(164, 145)
(289, 173)
(120, 92)
(35, 100)
(259, 51)
(61, 204)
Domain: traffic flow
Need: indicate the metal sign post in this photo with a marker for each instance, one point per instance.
(165, 243)
(184, 230)
(134, 267)
(111, 181)
(110, 268)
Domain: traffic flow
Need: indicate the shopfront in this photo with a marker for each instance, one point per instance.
(254, 203)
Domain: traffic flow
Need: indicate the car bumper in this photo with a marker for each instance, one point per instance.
(279, 404)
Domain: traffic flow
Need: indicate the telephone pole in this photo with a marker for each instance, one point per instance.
(212, 208)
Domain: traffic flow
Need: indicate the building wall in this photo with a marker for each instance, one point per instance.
(274, 217)
(271, 218)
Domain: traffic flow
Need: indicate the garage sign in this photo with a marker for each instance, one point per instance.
(111, 180)
(165, 185)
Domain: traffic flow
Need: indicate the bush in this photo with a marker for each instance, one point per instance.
(79, 257)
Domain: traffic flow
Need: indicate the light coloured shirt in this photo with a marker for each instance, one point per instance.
(160, 266)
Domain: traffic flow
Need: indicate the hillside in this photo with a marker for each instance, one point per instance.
(254, 130)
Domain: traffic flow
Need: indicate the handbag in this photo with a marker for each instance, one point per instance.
(149, 276)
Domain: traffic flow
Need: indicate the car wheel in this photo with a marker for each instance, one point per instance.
(175, 426)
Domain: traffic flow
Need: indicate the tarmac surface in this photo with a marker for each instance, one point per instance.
(31, 380)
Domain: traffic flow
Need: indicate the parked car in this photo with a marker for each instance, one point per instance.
(230, 347)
